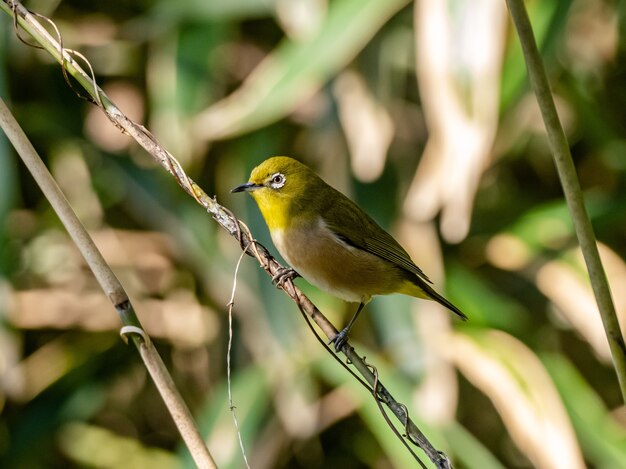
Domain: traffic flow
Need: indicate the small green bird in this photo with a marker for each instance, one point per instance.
(330, 241)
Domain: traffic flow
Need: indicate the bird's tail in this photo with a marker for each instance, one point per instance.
(420, 289)
(433, 295)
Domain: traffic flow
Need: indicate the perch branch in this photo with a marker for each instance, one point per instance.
(220, 214)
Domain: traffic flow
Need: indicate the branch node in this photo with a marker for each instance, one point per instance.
(126, 331)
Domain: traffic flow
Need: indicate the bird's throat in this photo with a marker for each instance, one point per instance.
(274, 210)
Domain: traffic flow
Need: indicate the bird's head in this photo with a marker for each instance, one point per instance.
(279, 184)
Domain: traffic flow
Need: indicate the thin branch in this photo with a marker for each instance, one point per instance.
(231, 405)
(223, 217)
(111, 286)
(571, 188)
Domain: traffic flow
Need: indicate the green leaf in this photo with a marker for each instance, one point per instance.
(296, 70)
(469, 449)
(250, 398)
(603, 440)
(484, 305)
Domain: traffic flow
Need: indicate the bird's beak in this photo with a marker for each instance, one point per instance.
(247, 187)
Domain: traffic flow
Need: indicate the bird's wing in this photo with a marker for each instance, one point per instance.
(353, 226)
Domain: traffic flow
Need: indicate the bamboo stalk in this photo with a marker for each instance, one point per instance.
(112, 288)
(571, 188)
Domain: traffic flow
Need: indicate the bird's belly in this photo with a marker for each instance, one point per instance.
(335, 267)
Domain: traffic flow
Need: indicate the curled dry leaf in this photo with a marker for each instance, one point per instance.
(436, 396)
(569, 290)
(514, 379)
(366, 124)
(458, 70)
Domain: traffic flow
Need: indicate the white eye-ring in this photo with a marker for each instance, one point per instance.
(277, 180)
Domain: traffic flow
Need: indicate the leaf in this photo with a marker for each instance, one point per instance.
(603, 439)
(250, 397)
(514, 379)
(294, 71)
(469, 449)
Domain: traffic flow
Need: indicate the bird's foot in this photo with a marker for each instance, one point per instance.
(340, 339)
(283, 274)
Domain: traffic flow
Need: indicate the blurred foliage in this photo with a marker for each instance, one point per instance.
(527, 382)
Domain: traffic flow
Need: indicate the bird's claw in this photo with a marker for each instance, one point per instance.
(283, 274)
(340, 339)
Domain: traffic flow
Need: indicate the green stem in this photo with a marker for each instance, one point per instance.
(571, 188)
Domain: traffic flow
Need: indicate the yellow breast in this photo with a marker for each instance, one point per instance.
(334, 266)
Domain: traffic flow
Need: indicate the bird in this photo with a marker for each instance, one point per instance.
(330, 241)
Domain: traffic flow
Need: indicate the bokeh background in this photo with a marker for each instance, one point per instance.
(421, 112)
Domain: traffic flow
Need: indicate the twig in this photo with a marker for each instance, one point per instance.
(113, 289)
(571, 188)
(222, 215)
(231, 406)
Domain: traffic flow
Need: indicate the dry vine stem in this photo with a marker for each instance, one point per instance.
(223, 217)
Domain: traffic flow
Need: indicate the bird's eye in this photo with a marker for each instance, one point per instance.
(278, 180)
